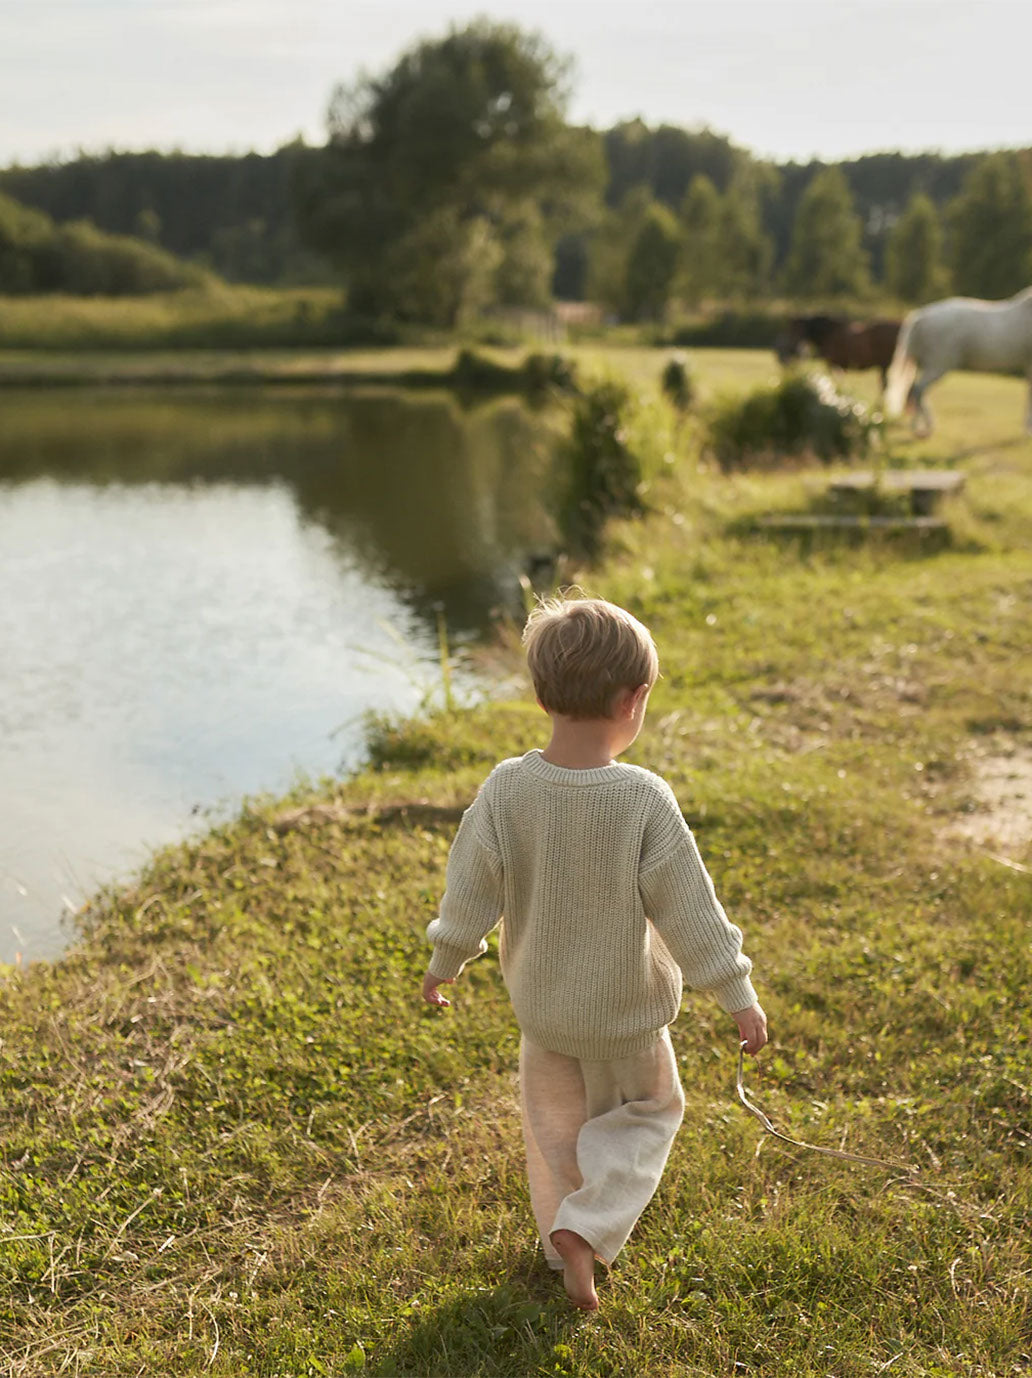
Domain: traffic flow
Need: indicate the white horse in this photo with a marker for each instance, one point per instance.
(961, 332)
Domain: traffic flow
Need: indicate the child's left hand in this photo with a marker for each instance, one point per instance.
(431, 994)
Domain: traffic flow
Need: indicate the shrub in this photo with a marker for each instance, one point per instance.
(476, 373)
(37, 256)
(91, 263)
(24, 237)
(603, 473)
(803, 415)
(541, 371)
(755, 328)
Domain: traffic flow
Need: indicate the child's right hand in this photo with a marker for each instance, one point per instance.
(752, 1027)
(431, 994)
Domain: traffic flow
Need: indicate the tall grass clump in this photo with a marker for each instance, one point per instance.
(677, 384)
(803, 415)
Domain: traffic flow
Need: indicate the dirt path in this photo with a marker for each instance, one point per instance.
(1000, 819)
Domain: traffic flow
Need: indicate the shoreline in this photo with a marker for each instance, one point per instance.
(284, 369)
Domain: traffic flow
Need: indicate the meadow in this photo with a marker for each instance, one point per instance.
(234, 1142)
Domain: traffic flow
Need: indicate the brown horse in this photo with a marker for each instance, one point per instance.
(841, 342)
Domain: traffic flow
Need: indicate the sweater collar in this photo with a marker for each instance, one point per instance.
(564, 775)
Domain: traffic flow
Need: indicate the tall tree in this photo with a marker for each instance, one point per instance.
(913, 255)
(666, 160)
(524, 273)
(462, 129)
(443, 269)
(991, 229)
(610, 245)
(826, 256)
(652, 264)
(727, 253)
(701, 214)
(745, 251)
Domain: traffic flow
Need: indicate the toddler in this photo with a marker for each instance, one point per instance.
(606, 905)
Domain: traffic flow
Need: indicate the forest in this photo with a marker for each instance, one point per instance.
(453, 184)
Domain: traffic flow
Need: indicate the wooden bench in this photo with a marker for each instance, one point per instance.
(926, 487)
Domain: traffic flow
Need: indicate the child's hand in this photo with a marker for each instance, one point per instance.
(431, 994)
(752, 1027)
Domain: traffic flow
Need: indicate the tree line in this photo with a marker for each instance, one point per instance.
(453, 182)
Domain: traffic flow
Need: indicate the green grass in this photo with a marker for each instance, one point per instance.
(217, 317)
(233, 1142)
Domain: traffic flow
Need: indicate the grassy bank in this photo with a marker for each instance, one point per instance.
(239, 338)
(214, 317)
(224, 317)
(234, 1143)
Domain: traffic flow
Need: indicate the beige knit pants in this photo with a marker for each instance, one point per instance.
(597, 1136)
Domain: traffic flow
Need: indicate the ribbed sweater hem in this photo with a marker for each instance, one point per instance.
(593, 1048)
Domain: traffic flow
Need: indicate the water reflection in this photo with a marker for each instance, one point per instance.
(441, 503)
(200, 597)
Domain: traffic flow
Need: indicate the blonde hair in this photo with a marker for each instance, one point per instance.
(582, 651)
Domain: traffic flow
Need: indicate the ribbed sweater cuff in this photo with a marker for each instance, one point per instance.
(448, 960)
(735, 995)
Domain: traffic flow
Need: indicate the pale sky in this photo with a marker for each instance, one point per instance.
(784, 78)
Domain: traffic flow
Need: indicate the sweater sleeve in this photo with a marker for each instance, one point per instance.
(472, 902)
(679, 898)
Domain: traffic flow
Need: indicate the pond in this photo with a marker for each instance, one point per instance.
(203, 595)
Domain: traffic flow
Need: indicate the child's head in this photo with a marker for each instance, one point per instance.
(583, 651)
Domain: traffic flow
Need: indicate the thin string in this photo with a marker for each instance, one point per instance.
(797, 1143)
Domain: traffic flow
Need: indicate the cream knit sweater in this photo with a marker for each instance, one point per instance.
(605, 899)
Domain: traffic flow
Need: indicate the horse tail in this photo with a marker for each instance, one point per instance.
(902, 370)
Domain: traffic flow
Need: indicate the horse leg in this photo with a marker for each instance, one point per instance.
(922, 424)
(921, 417)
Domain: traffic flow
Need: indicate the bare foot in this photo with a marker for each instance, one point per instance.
(578, 1268)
